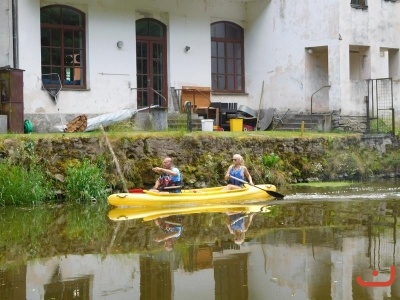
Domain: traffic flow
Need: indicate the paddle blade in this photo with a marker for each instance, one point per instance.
(277, 195)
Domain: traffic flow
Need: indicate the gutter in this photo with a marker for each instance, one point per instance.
(15, 33)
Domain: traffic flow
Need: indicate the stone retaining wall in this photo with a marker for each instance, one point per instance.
(202, 157)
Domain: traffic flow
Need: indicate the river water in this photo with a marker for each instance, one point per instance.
(320, 243)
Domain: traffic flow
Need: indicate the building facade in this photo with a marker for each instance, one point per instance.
(306, 56)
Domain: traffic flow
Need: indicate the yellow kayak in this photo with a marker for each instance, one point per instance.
(213, 195)
(152, 213)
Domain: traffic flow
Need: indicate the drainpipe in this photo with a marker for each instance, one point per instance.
(15, 33)
(325, 86)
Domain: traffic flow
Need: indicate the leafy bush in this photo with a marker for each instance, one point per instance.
(270, 160)
(19, 186)
(85, 181)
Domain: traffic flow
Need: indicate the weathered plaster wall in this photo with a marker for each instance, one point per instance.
(111, 72)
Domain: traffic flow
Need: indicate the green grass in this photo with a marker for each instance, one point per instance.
(179, 133)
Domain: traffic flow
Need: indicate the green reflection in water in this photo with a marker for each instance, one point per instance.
(28, 233)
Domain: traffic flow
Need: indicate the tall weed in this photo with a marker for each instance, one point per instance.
(19, 186)
(85, 181)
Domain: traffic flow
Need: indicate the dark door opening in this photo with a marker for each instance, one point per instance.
(151, 63)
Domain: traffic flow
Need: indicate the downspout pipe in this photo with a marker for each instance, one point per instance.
(15, 33)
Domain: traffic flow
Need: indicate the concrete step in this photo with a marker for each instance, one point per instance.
(293, 122)
(179, 122)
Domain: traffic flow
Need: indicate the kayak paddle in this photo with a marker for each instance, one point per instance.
(271, 193)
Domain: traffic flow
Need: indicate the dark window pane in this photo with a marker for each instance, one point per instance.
(145, 69)
(141, 50)
(156, 83)
(142, 27)
(56, 37)
(221, 82)
(214, 68)
(155, 30)
(56, 56)
(157, 51)
(139, 66)
(213, 49)
(218, 30)
(139, 81)
(45, 36)
(238, 50)
(45, 56)
(239, 83)
(46, 70)
(149, 28)
(238, 66)
(71, 17)
(56, 70)
(68, 38)
(51, 15)
(221, 50)
(214, 82)
(230, 66)
(233, 32)
(221, 66)
(231, 82)
(229, 50)
(78, 41)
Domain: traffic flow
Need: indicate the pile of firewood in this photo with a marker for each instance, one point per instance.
(78, 124)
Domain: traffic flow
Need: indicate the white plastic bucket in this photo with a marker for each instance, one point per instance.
(207, 125)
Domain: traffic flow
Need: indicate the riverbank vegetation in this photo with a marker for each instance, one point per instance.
(28, 175)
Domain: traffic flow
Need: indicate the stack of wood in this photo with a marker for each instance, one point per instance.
(78, 124)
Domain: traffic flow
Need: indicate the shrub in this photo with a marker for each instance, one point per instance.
(85, 181)
(19, 186)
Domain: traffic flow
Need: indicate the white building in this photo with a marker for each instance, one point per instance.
(306, 56)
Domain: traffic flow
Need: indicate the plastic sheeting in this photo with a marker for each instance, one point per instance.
(111, 118)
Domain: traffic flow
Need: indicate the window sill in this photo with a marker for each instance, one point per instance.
(78, 90)
(362, 7)
(70, 89)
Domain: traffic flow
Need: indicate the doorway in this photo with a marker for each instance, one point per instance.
(151, 63)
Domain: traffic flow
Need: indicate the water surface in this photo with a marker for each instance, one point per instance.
(312, 245)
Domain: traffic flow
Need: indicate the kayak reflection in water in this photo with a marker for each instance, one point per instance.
(171, 231)
(238, 224)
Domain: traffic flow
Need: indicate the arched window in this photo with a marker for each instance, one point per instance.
(227, 57)
(63, 46)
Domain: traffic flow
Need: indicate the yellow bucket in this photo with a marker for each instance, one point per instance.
(236, 124)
